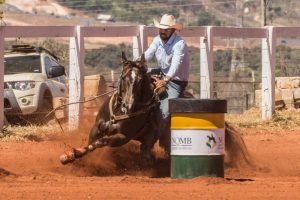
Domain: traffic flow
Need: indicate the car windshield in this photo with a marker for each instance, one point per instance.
(22, 64)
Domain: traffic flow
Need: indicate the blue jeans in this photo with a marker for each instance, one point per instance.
(172, 91)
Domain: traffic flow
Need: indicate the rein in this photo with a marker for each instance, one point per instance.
(117, 97)
(150, 104)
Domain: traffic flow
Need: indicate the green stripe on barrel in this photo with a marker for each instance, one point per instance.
(197, 137)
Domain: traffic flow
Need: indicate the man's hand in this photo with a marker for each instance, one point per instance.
(159, 83)
(160, 86)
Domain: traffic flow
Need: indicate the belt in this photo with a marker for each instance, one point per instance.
(181, 83)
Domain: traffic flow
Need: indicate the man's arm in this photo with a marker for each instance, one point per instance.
(150, 52)
(177, 59)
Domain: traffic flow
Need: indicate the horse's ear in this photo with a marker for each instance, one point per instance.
(143, 60)
(124, 59)
(143, 63)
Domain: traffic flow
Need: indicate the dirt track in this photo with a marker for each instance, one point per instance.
(31, 170)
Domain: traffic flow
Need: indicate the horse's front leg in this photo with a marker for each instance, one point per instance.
(73, 154)
(114, 140)
(100, 129)
(76, 153)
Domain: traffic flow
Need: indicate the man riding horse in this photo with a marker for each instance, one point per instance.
(132, 112)
(171, 53)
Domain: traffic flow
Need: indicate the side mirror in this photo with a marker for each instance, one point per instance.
(56, 71)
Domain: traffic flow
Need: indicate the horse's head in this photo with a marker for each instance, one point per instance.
(131, 82)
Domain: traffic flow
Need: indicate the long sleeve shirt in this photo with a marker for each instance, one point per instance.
(172, 57)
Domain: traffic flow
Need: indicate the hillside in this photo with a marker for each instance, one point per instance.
(245, 13)
(248, 13)
(36, 12)
(38, 6)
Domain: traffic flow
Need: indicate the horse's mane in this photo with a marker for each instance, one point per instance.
(147, 87)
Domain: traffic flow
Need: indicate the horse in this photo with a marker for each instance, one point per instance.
(131, 113)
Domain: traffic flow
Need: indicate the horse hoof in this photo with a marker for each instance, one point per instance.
(67, 157)
(80, 152)
(64, 159)
(97, 144)
(91, 147)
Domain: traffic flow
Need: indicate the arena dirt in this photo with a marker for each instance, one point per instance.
(31, 170)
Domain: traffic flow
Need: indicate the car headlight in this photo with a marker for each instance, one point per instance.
(21, 85)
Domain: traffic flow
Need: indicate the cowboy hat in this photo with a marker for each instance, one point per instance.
(167, 21)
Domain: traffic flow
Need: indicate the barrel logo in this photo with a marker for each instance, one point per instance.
(182, 141)
(197, 142)
(211, 143)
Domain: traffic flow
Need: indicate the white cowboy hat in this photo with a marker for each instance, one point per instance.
(167, 21)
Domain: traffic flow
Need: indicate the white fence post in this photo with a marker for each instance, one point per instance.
(76, 76)
(206, 64)
(140, 34)
(268, 73)
(138, 46)
(1, 76)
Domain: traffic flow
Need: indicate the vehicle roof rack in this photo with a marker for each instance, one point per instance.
(41, 49)
(25, 48)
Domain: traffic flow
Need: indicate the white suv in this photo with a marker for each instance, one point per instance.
(33, 78)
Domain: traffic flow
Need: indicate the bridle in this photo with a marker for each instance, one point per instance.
(117, 100)
(115, 118)
(120, 99)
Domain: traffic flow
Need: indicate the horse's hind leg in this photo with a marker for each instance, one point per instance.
(146, 151)
(147, 158)
(149, 135)
(165, 135)
(147, 143)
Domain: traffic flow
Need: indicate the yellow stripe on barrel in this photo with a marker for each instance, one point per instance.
(197, 121)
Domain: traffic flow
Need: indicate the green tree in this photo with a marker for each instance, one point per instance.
(107, 57)
(206, 19)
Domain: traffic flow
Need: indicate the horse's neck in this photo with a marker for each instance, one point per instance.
(148, 90)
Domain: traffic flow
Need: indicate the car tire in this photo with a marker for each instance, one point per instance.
(44, 108)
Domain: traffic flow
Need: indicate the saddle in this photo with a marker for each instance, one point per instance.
(162, 90)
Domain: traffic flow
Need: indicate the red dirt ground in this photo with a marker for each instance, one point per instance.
(31, 170)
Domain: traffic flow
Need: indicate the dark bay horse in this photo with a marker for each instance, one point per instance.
(131, 113)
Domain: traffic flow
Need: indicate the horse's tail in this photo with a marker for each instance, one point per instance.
(235, 148)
